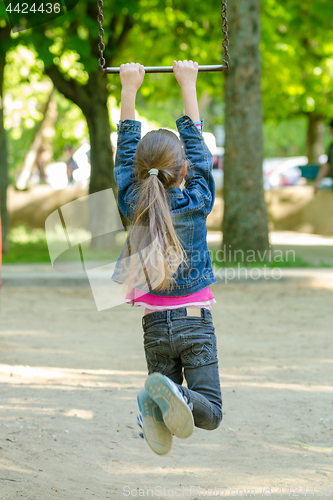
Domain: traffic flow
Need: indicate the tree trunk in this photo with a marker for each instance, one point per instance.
(3, 161)
(92, 99)
(245, 226)
(97, 116)
(31, 156)
(315, 138)
(101, 158)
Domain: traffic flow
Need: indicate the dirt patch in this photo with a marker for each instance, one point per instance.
(70, 376)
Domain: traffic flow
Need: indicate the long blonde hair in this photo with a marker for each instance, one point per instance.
(152, 235)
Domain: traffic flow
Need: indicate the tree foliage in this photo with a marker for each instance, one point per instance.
(297, 48)
(170, 30)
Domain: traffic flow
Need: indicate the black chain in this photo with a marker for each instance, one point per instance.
(225, 43)
(101, 46)
(100, 32)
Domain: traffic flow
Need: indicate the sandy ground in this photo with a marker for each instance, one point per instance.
(70, 376)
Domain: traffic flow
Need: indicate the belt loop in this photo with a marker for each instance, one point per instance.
(168, 315)
(204, 314)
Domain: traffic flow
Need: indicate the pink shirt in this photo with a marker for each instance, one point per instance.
(157, 303)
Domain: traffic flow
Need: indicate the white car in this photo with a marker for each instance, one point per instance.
(279, 172)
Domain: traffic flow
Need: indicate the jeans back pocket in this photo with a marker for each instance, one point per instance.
(197, 348)
(156, 361)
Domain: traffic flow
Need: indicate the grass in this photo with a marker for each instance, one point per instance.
(284, 261)
(28, 246)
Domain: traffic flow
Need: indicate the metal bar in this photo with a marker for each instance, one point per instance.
(168, 69)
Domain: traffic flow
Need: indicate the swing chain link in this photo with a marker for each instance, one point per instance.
(225, 43)
(100, 32)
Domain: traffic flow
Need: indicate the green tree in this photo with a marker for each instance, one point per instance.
(26, 91)
(245, 218)
(177, 29)
(68, 48)
(297, 43)
(154, 33)
(5, 43)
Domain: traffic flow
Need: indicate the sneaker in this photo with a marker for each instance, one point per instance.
(176, 413)
(154, 429)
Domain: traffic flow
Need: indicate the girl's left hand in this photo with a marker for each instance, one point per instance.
(131, 76)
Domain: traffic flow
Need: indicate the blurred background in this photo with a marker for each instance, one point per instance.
(59, 114)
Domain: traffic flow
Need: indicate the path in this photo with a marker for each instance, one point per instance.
(70, 376)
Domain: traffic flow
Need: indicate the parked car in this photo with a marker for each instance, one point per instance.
(279, 172)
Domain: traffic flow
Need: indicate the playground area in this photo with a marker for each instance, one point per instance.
(259, 76)
(70, 376)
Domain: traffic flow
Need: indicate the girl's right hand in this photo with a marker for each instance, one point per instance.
(186, 72)
(131, 76)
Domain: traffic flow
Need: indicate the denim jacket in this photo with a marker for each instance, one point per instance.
(189, 208)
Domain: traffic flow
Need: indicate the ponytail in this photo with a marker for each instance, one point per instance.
(153, 244)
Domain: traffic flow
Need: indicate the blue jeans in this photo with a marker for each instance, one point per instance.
(175, 343)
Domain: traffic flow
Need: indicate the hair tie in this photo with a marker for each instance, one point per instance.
(153, 171)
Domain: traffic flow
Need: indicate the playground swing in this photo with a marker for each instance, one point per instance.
(164, 69)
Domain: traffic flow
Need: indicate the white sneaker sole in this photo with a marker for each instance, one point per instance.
(155, 431)
(176, 414)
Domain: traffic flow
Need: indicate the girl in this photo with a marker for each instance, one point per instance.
(167, 261)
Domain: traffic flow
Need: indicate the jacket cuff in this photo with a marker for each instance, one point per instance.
(187, 122)
(129, 126)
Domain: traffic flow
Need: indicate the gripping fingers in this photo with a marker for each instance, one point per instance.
(185, 72)
(132, 75)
